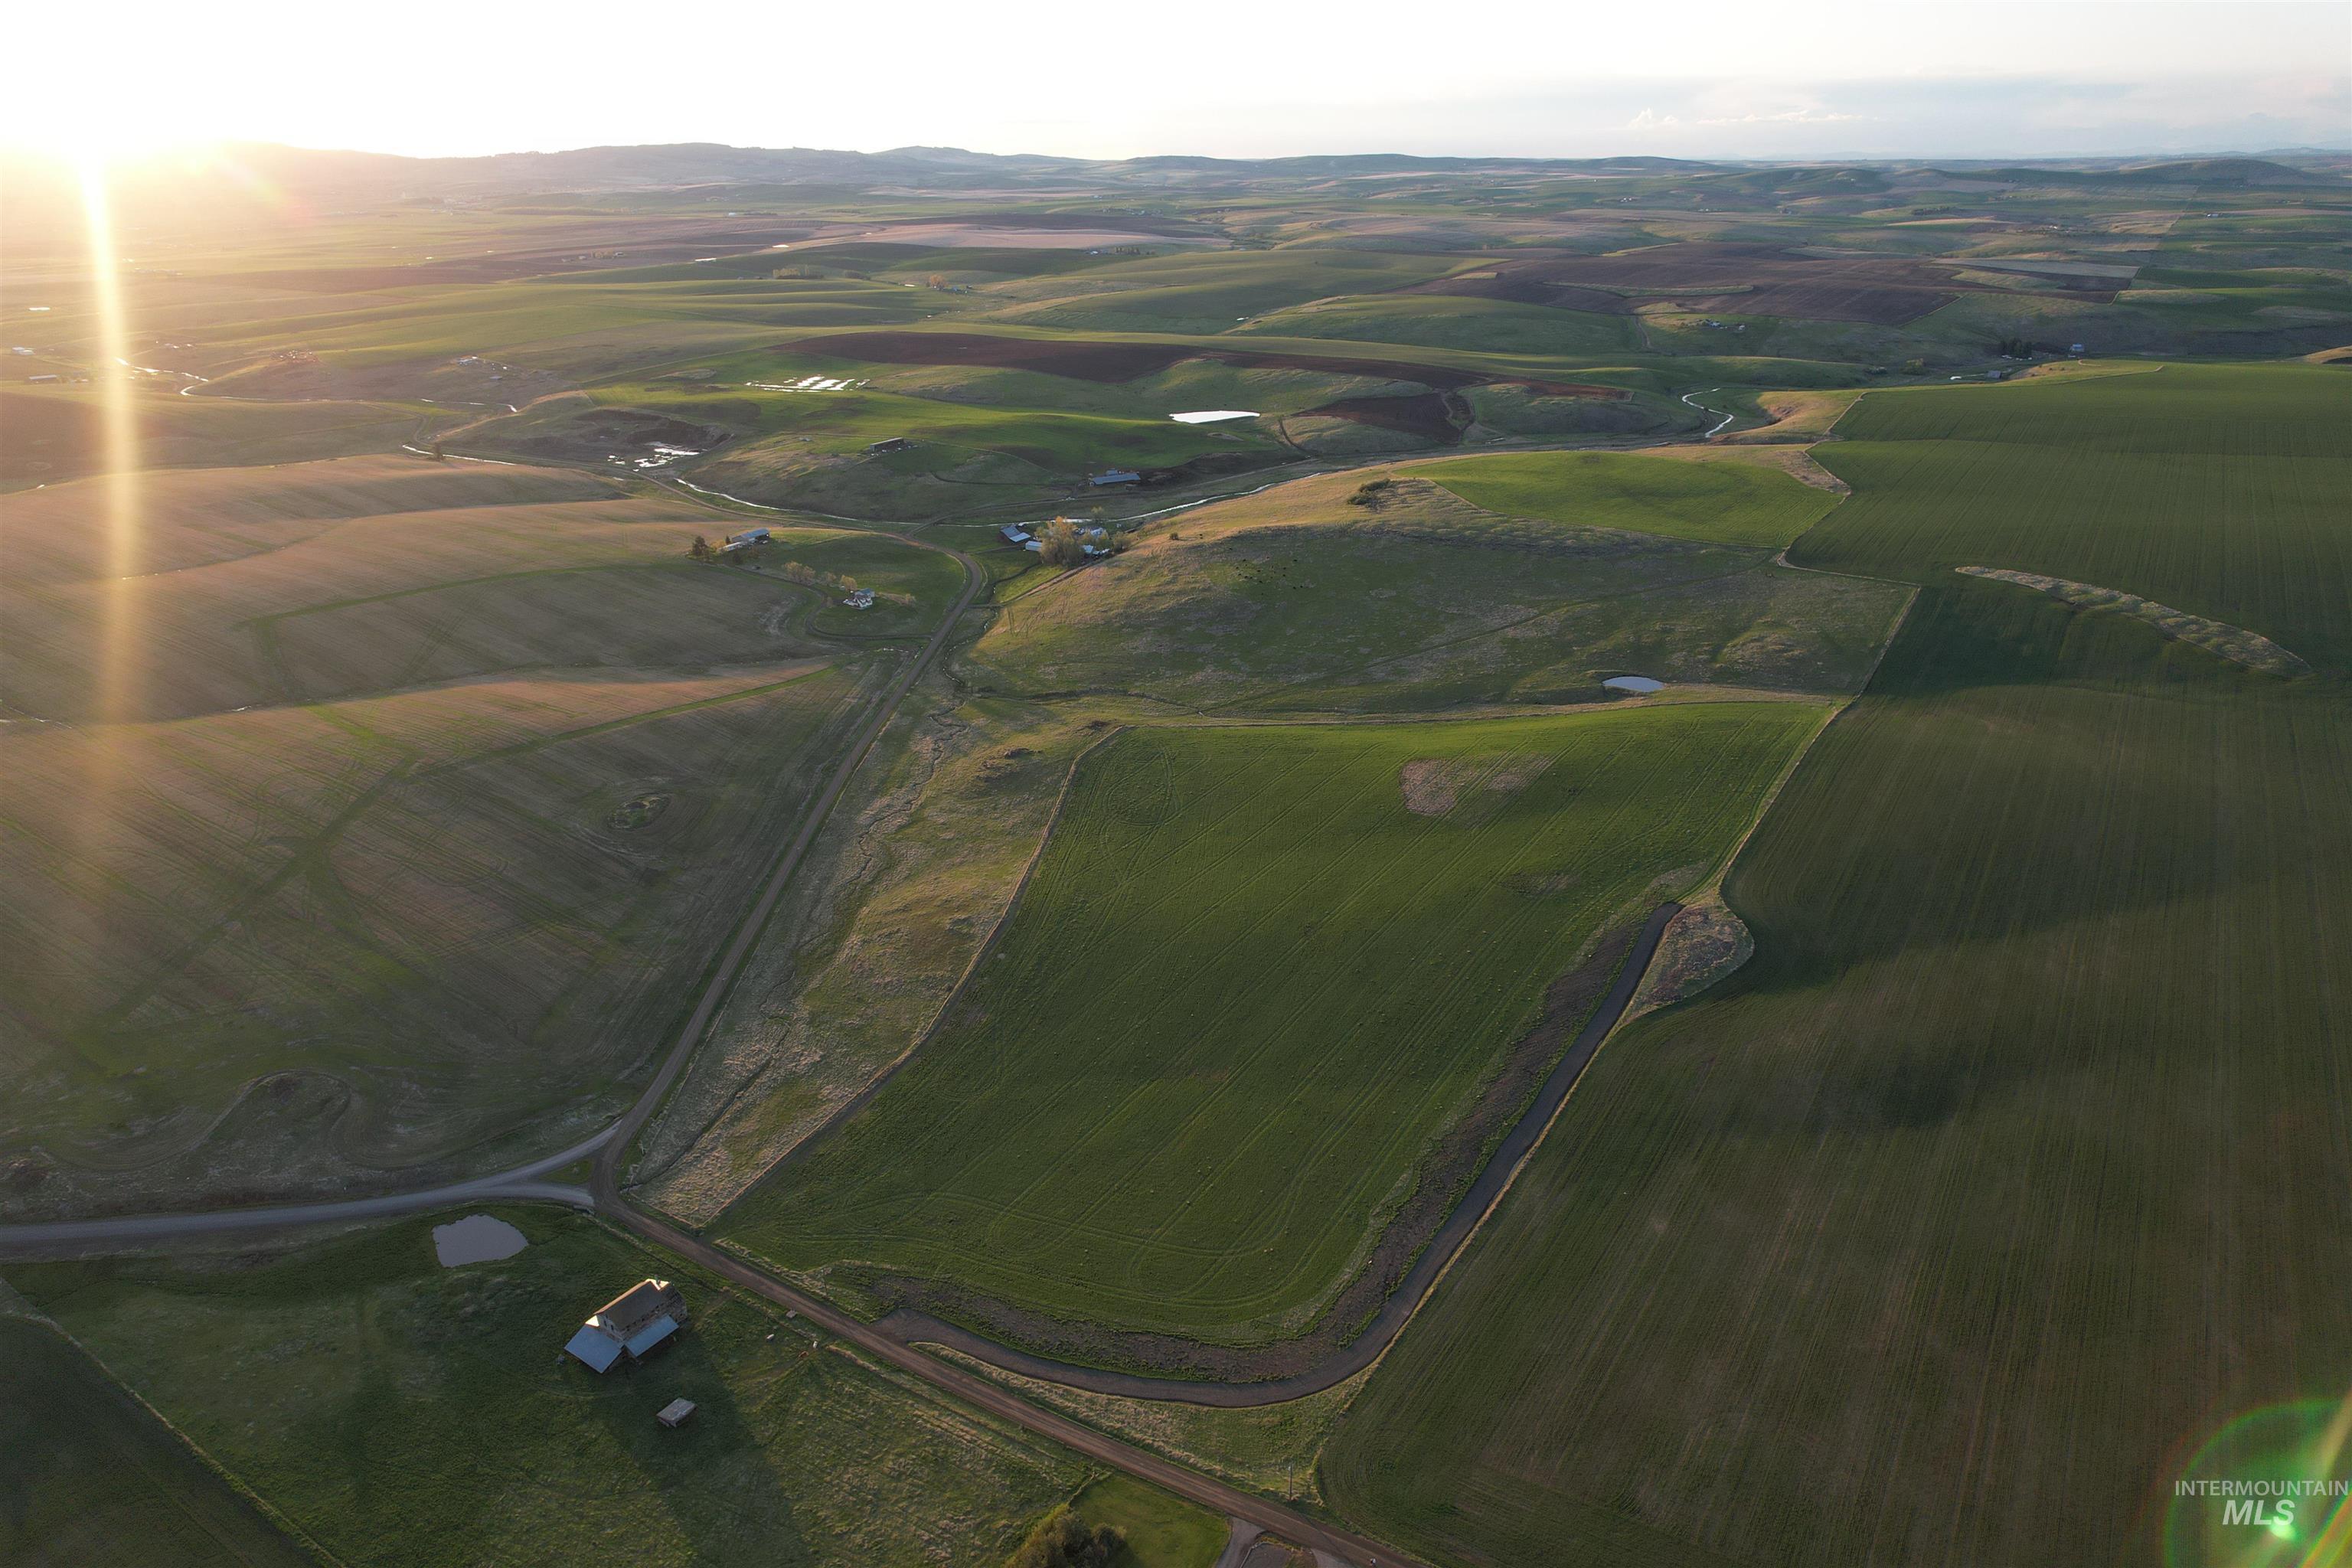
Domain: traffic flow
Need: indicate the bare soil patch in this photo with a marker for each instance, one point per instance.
(1434, 787)
(1729, 278)
(1429, 417)
(597, 433)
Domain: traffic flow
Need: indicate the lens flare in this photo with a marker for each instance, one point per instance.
(2268, 1490)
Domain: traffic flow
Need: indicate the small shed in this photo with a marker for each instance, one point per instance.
(675, 1412)
(896, 443)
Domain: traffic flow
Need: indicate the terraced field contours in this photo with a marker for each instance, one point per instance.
(2233, 643)
(1247, 992)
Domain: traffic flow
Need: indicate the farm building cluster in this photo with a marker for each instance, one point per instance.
(1093, 538)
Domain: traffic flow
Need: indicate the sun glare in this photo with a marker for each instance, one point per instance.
(119, 421)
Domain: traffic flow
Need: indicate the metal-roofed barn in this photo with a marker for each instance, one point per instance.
(631, 1323)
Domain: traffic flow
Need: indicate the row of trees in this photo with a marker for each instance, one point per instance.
(807, 577)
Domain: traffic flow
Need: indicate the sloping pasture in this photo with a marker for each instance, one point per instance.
(273, 585)
(1257, 975)
(372, 932)
(2009, 1169)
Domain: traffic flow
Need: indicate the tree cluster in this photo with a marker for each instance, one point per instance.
(1063, 1541)
(1058, 543)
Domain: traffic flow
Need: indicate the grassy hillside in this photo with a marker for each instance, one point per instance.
(405, 1413)
(2002, 1177)
(93, 1480)
(1725, 502)
(2215, 489)
(1255, 976)
(363, 811)
(1298, 599)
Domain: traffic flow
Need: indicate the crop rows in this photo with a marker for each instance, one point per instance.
(1246, 988)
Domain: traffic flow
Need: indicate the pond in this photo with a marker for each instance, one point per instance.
(477, 1238)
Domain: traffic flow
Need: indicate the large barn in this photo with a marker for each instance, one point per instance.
(631, 1323)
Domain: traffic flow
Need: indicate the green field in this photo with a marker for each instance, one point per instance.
(1437, 321)
(1723, 502)
(402, 1412)
(1160, 1531)
(1207, 292)
(1257, 975)
(93, 1480)
(1947, 1228)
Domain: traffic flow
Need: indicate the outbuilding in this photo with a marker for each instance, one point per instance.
(630, 1325)
(896, 443)
(1117, 477)
(675, 1412)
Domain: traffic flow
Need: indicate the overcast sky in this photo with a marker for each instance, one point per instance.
(1890, 77)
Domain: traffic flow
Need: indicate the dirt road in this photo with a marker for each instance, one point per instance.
(971, 1388)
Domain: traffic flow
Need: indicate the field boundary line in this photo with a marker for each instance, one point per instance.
(923, 1038)
(204, 1457)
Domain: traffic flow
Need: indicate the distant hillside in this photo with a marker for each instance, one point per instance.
(2228, 171)
(261, 183)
